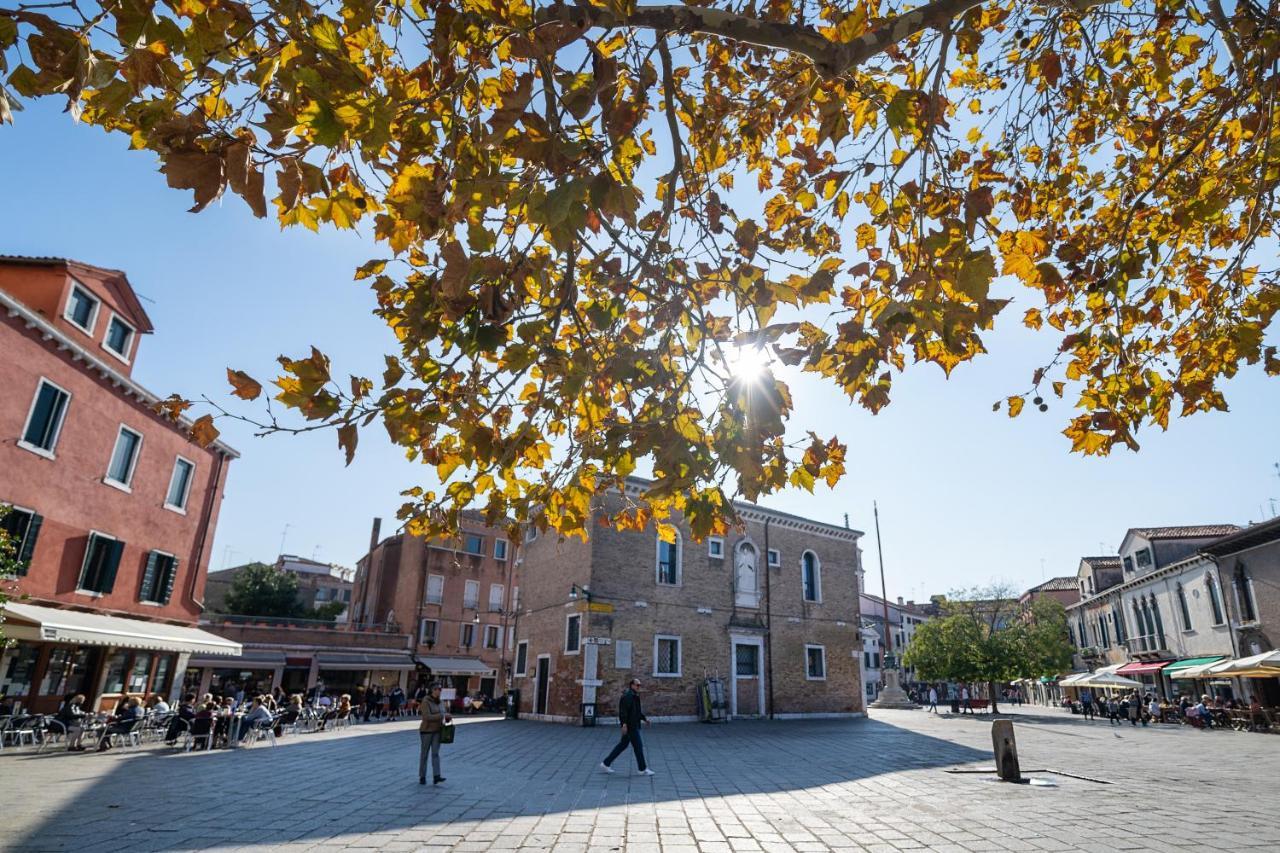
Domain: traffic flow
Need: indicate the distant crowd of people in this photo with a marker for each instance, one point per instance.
(1203, 713)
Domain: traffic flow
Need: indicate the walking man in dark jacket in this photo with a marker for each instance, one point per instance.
(631, 715)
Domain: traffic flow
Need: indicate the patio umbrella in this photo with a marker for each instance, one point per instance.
(1108, 679)
(1264, 661)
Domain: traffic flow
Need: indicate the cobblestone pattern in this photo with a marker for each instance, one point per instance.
(873, 784)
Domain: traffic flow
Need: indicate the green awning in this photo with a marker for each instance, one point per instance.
(1172, 669)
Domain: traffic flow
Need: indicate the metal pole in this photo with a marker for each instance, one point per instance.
(768, 619)
(884, 595)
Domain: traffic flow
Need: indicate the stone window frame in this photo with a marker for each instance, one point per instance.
(821, 648)
(657, 560)
(715, 547)
(484, 639)
(568, 620)
(422, 631)
(49, 452)
(125, 484)
(1219, 613)
(817, 577)
(679, 641)
(469, 602)
(427, 594)
(506, 547)
(1242, 587)
(520, 666)
(501, 597)
(773, 558)
(1184, 610)
(93, 313)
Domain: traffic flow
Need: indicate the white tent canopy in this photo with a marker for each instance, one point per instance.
(55, 625)
(1266, 660)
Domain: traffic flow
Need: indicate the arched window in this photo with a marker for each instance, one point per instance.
(1117, 620)
(1183, 609)
(669, 561)
(1140, 616)
(1244, 594)
(1215, 601)
(811, 576)
(746, 583)
(1159, 631)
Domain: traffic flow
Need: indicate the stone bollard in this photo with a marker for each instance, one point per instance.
(1006, 750)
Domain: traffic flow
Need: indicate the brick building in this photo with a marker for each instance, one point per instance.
(772, 610)
(455, 597)
(319, 584)
(113, 507)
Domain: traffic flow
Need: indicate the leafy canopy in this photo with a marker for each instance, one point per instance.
(586, 208)
(260, 589)
(983, 636)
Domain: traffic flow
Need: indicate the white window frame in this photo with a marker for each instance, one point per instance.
(474, 601)
(426, 596)
(502, 597)
(422, 631)
(823, 649)
(715, 547)
(128, 344)
(84, 562)
(484, 638)
(506, 549)
(93, 315)
(521, 667)
(151, 602)
(1247, 588)
(568, 620)
(657, 560)
(186, 494)
(530, 534)
(51, 453)
(817, 578)
(773, 558)
(127, 484)
(1214, 589)
(679, 673)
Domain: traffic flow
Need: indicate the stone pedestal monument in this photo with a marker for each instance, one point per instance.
(892, 696)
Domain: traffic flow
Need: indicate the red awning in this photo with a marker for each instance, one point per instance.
(1140, 667)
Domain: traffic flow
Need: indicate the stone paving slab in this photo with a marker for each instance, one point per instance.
(873, 785)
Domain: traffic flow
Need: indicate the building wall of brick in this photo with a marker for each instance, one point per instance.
(1262, 567)
(69, 491)
(391, 588)
(629, 605)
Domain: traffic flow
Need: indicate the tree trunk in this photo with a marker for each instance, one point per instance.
(991, 694)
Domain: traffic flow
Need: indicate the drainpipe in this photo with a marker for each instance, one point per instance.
(768, 618)
(210, 500)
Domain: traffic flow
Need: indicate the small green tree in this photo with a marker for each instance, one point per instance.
(10, 566)
(263, 590)
(327, 612)
(983, 637)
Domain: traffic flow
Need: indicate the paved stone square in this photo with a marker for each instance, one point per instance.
(868, 784)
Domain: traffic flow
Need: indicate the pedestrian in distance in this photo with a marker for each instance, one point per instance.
(1135, 709)
(631, 715)
(434, 719)
(933, 699)
(966, 703)
(1113, 711)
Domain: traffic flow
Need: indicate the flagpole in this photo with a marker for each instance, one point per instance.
(888, 656)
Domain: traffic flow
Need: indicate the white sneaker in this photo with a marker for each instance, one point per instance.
(605, 767)
(647, 772)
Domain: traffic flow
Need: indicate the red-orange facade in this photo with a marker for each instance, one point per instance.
(112, 506)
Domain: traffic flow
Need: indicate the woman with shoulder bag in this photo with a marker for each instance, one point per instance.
(430, 732)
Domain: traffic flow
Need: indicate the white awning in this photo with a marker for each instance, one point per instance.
(457, 666)
(54, 625)
(363, 661)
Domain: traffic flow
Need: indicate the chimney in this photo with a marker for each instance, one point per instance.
(373, 535)
(899, 599)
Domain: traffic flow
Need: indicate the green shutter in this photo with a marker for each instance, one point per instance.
(89, 572)
(111, 564)
(29, 542)
(146, 592)
(171, 575)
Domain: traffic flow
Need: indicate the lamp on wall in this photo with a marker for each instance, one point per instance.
(575, 591)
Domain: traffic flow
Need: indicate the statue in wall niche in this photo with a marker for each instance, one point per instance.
(745, 575)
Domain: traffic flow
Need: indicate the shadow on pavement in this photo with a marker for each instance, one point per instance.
(365, 782)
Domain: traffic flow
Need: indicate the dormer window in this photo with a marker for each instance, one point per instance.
(1128, 565)
(1144, 558)
(82, 309)
(118, 338)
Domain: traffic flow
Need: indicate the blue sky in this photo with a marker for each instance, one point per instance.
(966, 496)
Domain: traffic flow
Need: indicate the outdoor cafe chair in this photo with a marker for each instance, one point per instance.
(130, 735)
(15, 730)
(261, 730)
(55, 732)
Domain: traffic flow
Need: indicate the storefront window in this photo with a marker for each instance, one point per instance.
(115, 673)
(15, 681)
(55, 672)
(160, 684)
(191, 679)
(138, 675)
